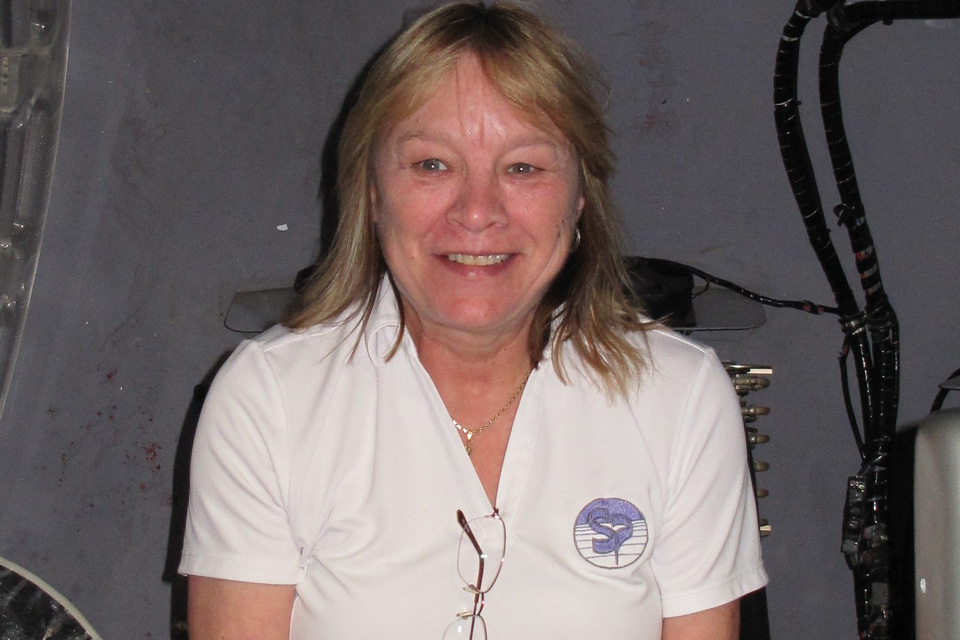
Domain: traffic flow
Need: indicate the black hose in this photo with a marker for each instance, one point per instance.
(880, 317)
(871, 335)
(846, 21)
(796, 160)
(879, 378)
(855, 17)
(796, 157)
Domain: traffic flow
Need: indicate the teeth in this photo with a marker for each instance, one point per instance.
(478, 261)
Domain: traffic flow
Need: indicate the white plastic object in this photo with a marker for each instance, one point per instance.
(936, 514)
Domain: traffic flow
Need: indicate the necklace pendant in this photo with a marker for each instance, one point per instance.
(469, 435)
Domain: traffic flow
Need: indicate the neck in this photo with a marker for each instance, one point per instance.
(471, 356)
(474, 373)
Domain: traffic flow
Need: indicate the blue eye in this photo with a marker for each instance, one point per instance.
(521, 168)
(431, 164)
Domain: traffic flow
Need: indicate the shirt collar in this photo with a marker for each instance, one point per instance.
(380, 333)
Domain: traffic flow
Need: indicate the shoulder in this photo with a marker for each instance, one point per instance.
(668, 349)
(666, 354)
(285, 360)
(320, 341)
(682, 370)
(355, 336)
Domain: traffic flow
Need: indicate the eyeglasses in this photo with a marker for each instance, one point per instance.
(480, 553)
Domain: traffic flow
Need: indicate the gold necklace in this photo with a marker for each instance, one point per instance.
(472, 432)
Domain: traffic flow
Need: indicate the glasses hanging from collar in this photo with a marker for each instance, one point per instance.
(479, 559)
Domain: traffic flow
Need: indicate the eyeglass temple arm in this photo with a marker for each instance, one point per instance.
(462, 520)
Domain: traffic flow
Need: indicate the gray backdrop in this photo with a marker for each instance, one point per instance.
(192, 130)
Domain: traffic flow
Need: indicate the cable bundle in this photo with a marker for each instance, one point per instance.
(871, 333)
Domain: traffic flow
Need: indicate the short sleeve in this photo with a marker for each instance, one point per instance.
(708, 547)
(237, 525)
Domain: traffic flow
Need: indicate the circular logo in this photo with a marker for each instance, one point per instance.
(610, 533)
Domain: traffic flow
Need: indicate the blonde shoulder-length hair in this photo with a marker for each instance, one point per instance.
(546, 77)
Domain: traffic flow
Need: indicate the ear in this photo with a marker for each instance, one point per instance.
(581, 187)
(374, 202)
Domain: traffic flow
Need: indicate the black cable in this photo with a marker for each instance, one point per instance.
(847, 402)
(801, 305)
(858, 340)
(942, 394)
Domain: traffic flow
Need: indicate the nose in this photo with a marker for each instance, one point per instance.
(479, 203)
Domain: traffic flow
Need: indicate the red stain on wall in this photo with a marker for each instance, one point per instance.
(152, 450)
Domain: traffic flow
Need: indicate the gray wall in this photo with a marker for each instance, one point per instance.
(191, 130)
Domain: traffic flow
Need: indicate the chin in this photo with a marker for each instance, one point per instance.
(486, 320)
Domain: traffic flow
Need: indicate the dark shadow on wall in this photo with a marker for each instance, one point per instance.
(181, 491)
(901, 531)
(329, 203)
(330, 207)
(329, 171)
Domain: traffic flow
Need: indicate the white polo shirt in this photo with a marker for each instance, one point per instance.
(343, 475)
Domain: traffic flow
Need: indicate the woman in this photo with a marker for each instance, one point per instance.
(464, 426)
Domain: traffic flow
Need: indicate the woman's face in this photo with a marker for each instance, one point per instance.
(475, 208)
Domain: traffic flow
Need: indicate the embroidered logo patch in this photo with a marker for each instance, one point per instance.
(610, 533)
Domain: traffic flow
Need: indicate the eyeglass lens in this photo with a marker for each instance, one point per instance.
(469, 627)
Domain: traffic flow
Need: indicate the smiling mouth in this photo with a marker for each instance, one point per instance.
(478, 261)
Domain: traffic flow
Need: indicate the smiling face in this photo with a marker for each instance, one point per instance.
(475, 208)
